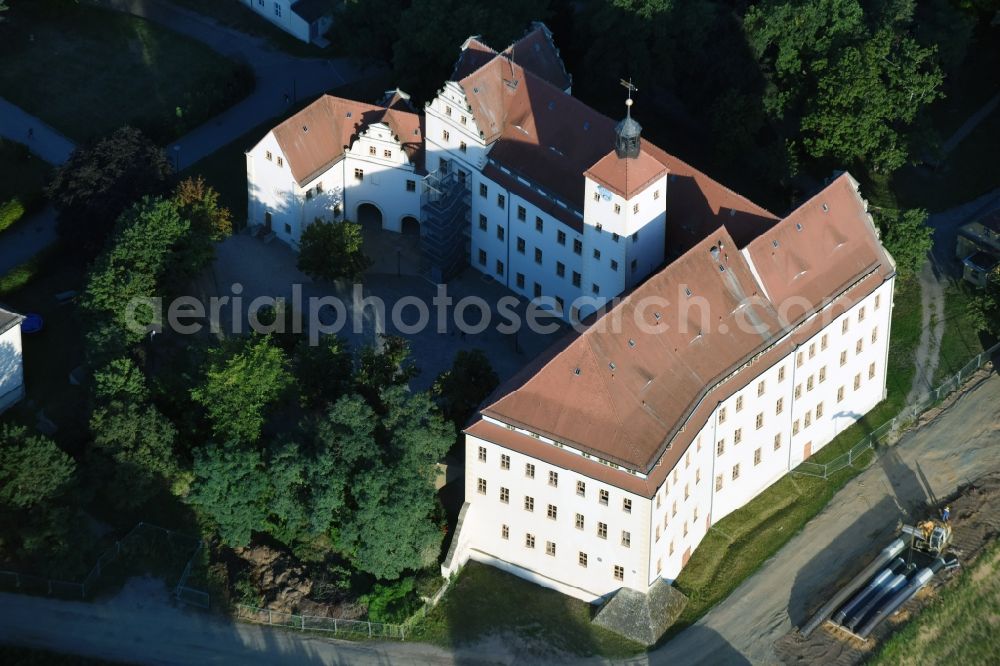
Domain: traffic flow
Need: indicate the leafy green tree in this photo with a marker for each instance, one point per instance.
(33, 470)
(198, 203)
(463, 388)
(332, 251)
(847, 81)
(379, 369)
(324, 371)
(232, 489)
(907, 237)
(245, 379)
(102, 179)
(371, 27)
(135, 439)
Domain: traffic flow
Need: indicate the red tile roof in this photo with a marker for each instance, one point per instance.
(318, 135)
(633, 382)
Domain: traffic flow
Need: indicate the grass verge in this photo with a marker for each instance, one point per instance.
(22, 178)
(484, 601)
(959, 627)
(960, 340)
(86, 71)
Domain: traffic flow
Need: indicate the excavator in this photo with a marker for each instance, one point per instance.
(930, 536)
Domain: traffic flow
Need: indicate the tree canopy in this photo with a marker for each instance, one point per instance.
(33, 470)
(461, 389)
(907, 237)
(332, 251)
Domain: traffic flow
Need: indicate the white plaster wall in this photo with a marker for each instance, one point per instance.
(288, 21)
(11, 367)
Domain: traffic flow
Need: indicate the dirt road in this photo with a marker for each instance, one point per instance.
(962, 444)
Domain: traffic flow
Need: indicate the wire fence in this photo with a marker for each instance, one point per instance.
(332, 625)
(142, 540)
(907, 415)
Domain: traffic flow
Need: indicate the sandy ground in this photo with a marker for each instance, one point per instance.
(962, 444)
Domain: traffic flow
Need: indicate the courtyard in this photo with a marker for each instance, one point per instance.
(268, 270)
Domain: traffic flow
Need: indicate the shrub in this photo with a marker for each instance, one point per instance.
(10, 212)
(392, 602)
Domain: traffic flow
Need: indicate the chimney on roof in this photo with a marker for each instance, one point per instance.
(627, 131)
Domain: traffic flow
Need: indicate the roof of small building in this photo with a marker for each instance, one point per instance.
(9, 320)
(312, 10)
(536, 51)
(319, 135)
(627, 387)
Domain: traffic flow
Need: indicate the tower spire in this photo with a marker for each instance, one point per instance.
(628, 130)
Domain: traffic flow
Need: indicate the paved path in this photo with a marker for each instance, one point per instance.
(962, 444)
(970, 124)
(45, 142)
(278, 74)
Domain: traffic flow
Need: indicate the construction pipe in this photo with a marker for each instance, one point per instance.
(867, 593)
(891, 606)
(845, 593)
(895, 585)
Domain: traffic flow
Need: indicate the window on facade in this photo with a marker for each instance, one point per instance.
(798, 359)
(560, 269)
(561, 237)
(871, 371)
(581, 488)
(387, 154)
(539, 224)
(878, 300)
(482, 257)
(670, 550)
(822, 342)
(844, 325)
(809, 383)
(626, 539)
(760, 388)
(462, 147)
(843, 358)
(840, 394)
(359, 174)
(482, 453)
(858, 346)
(739, 403)
(582, 559)
(576, 279)
(501, 201)
(504, 461)
(722, 414)
(504, 532)
(499, 268)
(798, 391)
(577, 246)
(602, 530)
(447, 110)
(656, 194)
(614, 265)
(635, 208)
(483, 190)
(697, 475)
(819, 410)
(499, 232)
(552, 511)
(529, 540)
(807, 421)
(861, 315)
(597, 253)
(268, 156)
(779, 405)
(505, 495)
(738, 436)
(482, 222)
(538, 290)
(627, 505)
(481, 486)
(553, 479)
(822, 374)
(550, 548)
(619, 572)
(529, 470)
(579, 521)
(288, 228)
(857, 381)
(618, 209)
(673, 509)
(411, 186)
(520, 245)
(736, 471)
(760, 421)
(602, 497)
(596, 288)
(687, 491)
(280, 161)
(777, 441)
(529, 503)
(521, 213)
(756, 457)
(520, 280)
(720, 447)
(718, 482)
(874, 335)
(781, 374)
(277, 10)
(538, 255)
(445, 135)
(795, 427)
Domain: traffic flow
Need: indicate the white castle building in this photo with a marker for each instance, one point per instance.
(602, 465)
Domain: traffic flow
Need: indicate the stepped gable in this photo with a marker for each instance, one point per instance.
(318, 135)
(652, 368)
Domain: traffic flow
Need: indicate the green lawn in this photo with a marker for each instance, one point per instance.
(959, 627)
(22, 177)
(86, 70)
(484, 601)
(226, 168)
(960, 341)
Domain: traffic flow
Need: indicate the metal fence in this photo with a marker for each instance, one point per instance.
(907, 415)
(143, 534)
(333, 625)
